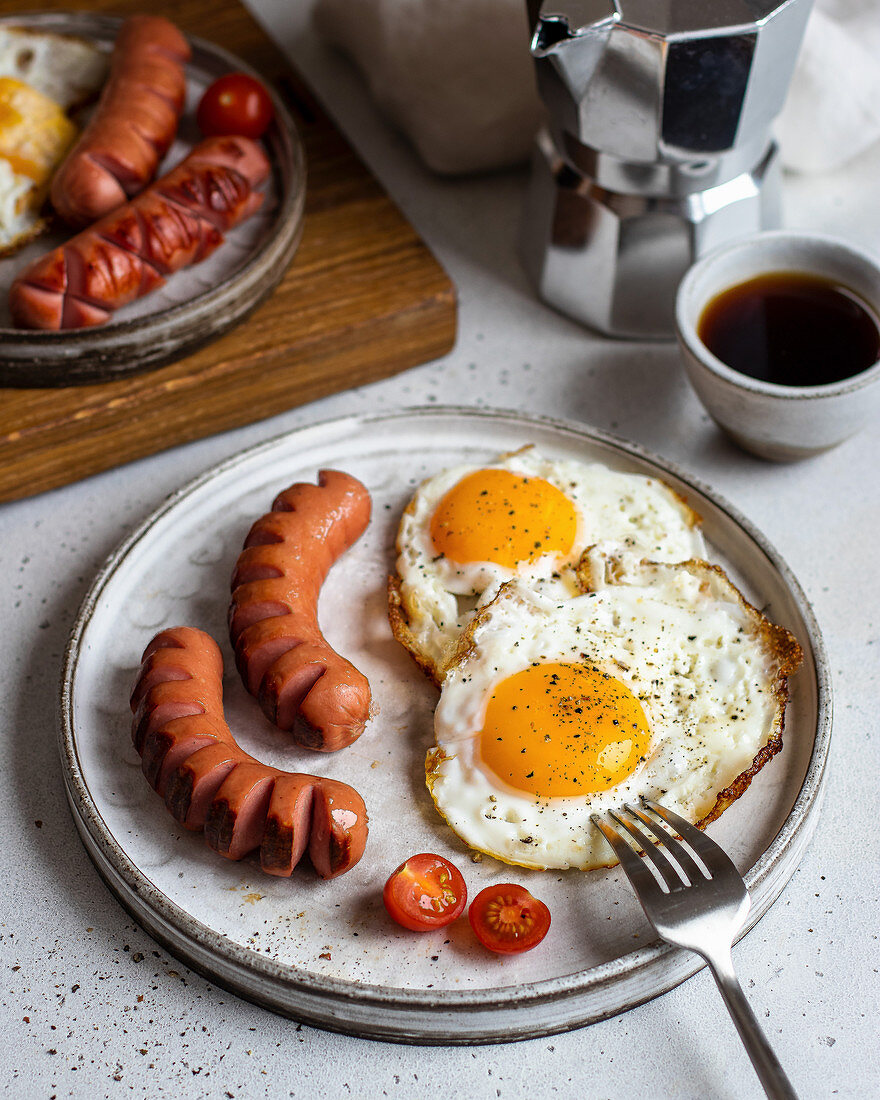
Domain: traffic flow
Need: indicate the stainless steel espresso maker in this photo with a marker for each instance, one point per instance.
(658, 146)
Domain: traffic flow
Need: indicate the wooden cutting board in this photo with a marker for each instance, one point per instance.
(363, 299)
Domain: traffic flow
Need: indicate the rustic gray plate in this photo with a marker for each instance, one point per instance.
(199, 303)
(326, 952)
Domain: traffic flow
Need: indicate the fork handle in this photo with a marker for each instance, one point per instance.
(770, 1073)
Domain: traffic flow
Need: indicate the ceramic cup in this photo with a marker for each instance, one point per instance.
(781, 423)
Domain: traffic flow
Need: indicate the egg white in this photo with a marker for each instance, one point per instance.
(68, 69)
(43, 75)
(630, 512)
(709, 670)
(19, 221)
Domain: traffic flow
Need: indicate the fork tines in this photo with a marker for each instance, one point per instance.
(693, 897)
(675, 861)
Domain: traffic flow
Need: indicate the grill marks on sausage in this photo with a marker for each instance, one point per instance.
(177, 221)
(302, 684)
(209, 783)
(209, 192)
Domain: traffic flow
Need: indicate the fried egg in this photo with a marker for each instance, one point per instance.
(471, 528)
(41, 75)
(35, 134)
(663, 682)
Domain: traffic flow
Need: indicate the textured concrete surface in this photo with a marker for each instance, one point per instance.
(91, 1007)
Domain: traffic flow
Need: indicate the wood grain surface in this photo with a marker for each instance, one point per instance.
(363, 299)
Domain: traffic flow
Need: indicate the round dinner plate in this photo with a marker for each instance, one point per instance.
(326, 952)
(198, 303)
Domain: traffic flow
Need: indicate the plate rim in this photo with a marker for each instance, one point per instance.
(274, 256)
(791, 839)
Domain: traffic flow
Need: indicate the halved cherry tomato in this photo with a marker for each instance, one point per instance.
(507, 919)
(425, 892)
(235, 104)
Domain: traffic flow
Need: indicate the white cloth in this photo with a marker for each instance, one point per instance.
(833, 108)
(456, 77)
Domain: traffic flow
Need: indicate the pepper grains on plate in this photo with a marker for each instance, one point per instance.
(632, 678)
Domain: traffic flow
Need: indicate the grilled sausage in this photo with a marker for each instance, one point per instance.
(189, 756)
(280, 651)
(179, 220)
(133, 125)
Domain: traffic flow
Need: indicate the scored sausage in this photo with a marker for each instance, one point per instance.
(191, 759)
(283, 657)
(177, 221)
(134, 122)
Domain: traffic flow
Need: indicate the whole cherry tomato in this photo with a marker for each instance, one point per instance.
(235, 104)
(507, 919)
(425, 892)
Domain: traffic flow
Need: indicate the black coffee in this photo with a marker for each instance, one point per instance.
(792, 329)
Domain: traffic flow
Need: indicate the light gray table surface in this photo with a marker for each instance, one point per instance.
(91, 1007)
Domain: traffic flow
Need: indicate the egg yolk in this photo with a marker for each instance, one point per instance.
(502, 517)
(557, 729)
(34, 131)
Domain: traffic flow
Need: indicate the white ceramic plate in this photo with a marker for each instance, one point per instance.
(325, 952)
(198, 303)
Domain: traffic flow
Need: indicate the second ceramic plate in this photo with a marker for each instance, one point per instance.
(197, 304)
(325, 952)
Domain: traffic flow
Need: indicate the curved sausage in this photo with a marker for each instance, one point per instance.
(189, 756)
(177, 221)
(280, 651)
(133, 125)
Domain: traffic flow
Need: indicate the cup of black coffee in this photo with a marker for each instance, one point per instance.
(780, 338)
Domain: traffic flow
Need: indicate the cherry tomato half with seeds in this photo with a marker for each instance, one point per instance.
(425, 892)
(507, 919)
(235, 104)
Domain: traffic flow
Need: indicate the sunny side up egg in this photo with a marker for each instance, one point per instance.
(42, 76)
(469, 529)
(35, 134)
(663, 682)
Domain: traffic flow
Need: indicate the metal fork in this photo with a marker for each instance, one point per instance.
(698, 903)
